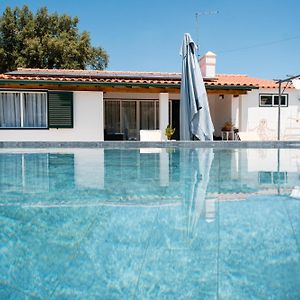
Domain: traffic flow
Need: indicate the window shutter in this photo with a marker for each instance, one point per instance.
(60, 112)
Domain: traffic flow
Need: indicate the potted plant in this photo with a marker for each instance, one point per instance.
(228, 126)
(169, 132)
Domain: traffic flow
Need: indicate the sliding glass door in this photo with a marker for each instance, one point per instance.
(125, 118)
(129, 119)
(112, 116)
(147, 115)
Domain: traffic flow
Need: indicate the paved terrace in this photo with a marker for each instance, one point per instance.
(164, 144)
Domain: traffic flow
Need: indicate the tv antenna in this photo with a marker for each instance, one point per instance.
(198, 15)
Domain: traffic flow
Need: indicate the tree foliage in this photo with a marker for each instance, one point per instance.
(47, 41)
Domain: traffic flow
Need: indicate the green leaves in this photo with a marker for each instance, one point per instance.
(45, 41)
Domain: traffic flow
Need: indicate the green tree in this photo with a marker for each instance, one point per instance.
(47, 41)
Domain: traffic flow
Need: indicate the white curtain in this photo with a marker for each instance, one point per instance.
(35, 110)
(10, 111)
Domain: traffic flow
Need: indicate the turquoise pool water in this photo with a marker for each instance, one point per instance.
(149, 224)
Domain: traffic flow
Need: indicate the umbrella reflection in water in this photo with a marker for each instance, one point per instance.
(198, 162)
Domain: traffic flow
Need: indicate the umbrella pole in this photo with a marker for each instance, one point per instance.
(279, 110)
(279, 98)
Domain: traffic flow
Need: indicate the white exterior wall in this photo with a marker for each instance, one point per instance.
(163, 113)
(235, 111)
(88, 123)
(221, 111)
(252, 115)
(244, 112)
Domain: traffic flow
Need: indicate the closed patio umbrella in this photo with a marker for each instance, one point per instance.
(195, 120)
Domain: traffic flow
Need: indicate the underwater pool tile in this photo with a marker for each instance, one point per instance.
(33, 256)
(258, 254)
(104, 273)
(10, 293)
(292, 206)
(128, 226)
(173, 230)
(180, 274)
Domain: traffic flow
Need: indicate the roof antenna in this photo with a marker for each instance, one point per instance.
(198, 15)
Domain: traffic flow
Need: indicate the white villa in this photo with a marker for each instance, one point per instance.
(83, 105)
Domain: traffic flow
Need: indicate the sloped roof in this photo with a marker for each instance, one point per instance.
(94, 76)
(130, 78)
(236, 80)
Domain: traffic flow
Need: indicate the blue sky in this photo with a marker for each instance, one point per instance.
(260, 38)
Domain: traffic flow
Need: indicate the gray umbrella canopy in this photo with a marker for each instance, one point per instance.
(195, 120)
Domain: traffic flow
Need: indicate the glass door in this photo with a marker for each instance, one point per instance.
(129, 119)
(147, 115)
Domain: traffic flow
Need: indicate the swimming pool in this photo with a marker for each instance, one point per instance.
(150, 223)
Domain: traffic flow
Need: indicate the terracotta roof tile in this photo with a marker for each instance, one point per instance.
(243, 80)
(120, 77)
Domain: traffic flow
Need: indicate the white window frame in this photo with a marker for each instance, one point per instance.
(22, 107)
(273, 100)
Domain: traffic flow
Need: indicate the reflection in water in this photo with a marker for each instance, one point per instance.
(193, 178)
(129, 224)
(36, 173)
(197, 163)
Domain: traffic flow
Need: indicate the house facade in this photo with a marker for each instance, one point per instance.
(82, 105)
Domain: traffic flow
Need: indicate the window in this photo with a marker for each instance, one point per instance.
(270, 100)
(272, 177)
(23, 109)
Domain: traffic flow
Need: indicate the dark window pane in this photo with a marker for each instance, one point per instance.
(265, 100)
(147, 115)
(279, 177)
(157, 114)
(129, 120)
(283, 100)
(265, 177)
(112, 116)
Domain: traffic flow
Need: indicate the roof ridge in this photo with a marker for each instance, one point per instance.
(235, 75)
(91, 71)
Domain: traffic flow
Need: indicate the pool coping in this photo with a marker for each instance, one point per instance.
(162, 144)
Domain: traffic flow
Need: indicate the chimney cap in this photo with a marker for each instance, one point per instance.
(208, 65)
(209, 53)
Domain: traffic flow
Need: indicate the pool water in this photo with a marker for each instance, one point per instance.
(149, 224)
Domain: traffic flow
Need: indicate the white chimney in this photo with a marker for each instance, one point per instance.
(208, 65)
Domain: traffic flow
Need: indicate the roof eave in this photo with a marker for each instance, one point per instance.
(232, 87)
(59, 82)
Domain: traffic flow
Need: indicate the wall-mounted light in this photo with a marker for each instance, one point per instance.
(221, 97)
